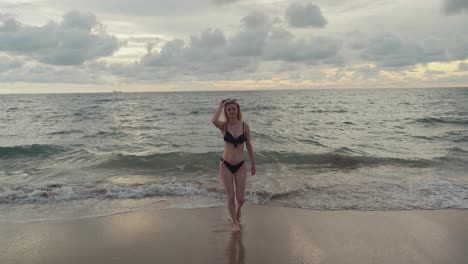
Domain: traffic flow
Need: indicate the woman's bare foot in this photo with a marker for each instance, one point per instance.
(236, 227)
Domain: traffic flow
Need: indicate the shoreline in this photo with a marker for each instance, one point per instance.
(271, 235)
(153, 206)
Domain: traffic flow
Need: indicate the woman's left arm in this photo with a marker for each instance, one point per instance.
(248, 144)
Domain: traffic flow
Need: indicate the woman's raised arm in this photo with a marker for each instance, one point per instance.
(215, 119)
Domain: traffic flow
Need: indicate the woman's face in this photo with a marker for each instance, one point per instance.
(231, 110)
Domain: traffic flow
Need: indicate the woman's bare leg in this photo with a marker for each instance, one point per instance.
(239, 180)
(226, 178)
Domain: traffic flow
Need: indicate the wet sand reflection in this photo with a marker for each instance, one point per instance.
(235, 251)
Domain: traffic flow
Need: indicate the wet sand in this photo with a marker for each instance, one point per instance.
(270, 235)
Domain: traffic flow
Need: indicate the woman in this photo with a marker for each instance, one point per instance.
(232, 167)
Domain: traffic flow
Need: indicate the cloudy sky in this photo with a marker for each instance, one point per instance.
(158, 45)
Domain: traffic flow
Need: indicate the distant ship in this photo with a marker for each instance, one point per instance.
(116, 92)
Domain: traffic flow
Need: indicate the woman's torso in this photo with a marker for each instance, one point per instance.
(234, 151)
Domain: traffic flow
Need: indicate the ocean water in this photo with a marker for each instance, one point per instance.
(68, 156)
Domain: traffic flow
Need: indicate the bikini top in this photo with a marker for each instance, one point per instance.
(228, 137)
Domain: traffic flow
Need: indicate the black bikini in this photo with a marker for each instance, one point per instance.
(236, 141)
(228, 137)
(233, 168)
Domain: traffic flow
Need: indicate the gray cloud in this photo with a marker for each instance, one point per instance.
(209, 39)
(247, 43)
(207, 48)
(455, 6)
(364, 72)
(34, 72)
(171, 53)
(360, 73)
(8, 24)
(455, 80)
(463, 66)
(7, 63)
(384, 45)
(389, 50)
(282, 45)
(207, 53)
(257, 20)
(211, 54)
(432, 73)
(459, 47)
(78, 38)
(79, 20)
(250, 41)
(356, 40)
(305, 15)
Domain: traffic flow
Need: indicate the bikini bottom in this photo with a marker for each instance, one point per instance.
(233, 168)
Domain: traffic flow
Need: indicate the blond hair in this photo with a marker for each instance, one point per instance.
(239, 113)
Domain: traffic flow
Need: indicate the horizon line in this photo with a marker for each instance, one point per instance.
(235, 90)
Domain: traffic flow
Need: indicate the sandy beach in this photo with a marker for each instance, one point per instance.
(270, 235)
